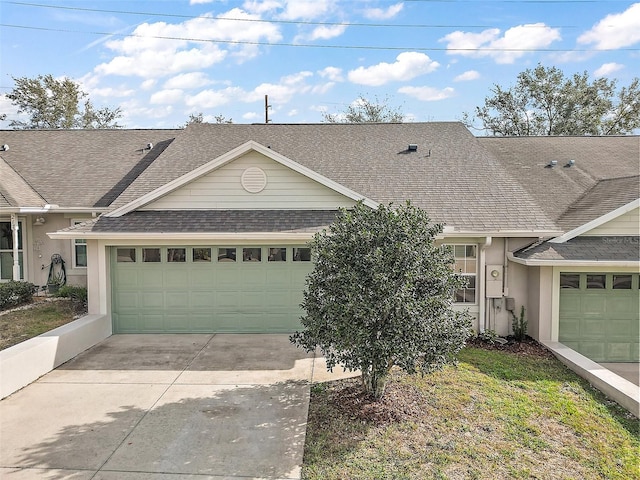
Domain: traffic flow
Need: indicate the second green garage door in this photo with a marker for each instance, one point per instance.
(207, 289)
(599, 315)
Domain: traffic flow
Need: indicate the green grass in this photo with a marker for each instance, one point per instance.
(495, 415)
(18, 326)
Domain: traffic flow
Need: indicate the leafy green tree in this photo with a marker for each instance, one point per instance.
(545, 102)
(52, 103)
(199, 118)
(364, 110)
(381, 295)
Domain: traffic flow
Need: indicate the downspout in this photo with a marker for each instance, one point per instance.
(482, 314)
(15, 227)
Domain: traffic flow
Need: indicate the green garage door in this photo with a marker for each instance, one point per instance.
(599, 315)
(229, 289)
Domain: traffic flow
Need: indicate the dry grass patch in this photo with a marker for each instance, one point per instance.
(32, 320)
(496, 415)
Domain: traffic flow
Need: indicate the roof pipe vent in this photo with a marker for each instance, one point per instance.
(5, 148)
(413, 147)
(149, 146)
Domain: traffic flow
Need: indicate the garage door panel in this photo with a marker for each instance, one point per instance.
(152, 322)
(150, 277)
(618, 352)
(202, 300)
(175, 299)
(176, 277)
(602, 324)
(150, 297)
(151, 300)
(127, 300)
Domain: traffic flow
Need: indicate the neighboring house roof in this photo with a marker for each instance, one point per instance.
(570, 193)
(200, 221)
(582, 249)
(77, 168)
(455, 180)
(15, 191)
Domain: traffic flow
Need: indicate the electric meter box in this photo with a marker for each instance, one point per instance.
(493, 284)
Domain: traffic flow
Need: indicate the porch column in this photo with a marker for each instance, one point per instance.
(15, 227)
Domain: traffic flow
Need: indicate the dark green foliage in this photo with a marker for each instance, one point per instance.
(54, 103)
(15, 293)
(77, 294)
(519, 325)
(363, 110)
(545, 102)
(381, 295)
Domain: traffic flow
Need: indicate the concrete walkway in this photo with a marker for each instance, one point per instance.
(142, 407)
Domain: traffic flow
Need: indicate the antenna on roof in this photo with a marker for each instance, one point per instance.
(266, 109)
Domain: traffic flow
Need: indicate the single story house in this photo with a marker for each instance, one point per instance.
(205, 229)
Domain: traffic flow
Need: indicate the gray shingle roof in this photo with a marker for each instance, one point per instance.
(15, 191)
(556, 189)
(450, 175)
(604, 197)
(76, 168)
(584, 248)
(212, 221)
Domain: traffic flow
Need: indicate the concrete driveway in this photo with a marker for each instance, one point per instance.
(147, 407)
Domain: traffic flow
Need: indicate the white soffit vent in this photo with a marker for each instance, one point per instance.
(253, 180)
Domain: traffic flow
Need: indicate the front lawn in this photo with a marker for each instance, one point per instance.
(497, 415)
(32, 320)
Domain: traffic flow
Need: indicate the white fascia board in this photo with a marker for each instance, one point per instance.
(229, 157)
(597, 222)
(183, 236)
(573, 263)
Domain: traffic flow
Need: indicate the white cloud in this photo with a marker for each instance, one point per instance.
(616, 30)
(198, 2)
(167, 97)
(428, 94)
(306, 9)
(383, 14)
(515, 43)
(467, 76)
(159, 49)
(607, 69)
(292, 113)
(252, 116)
(324, 32)
(148, 84)
(283, 92)
(408, 65)
(111, 92)
(188, 80)
(332, 73)
(215, 98)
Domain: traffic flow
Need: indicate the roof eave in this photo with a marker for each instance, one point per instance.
(573, 263)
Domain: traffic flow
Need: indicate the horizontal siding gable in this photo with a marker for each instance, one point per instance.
(222, 189)
(626, 224)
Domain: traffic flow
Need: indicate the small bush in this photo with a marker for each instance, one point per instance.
(15, 293)
(77, 294)
(519, 325)
(489, 336)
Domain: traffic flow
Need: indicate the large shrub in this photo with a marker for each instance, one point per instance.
(77, 294)
(15, 293)
(381, 294)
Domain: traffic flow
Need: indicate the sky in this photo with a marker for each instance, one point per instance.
(162, 61)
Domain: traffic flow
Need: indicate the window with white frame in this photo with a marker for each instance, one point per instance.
(6, 250)
(466, 264)
(79, 250)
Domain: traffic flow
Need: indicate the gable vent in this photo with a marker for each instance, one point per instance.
(253, 180)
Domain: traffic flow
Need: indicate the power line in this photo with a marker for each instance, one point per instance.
(310, 45)
(290, 22)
